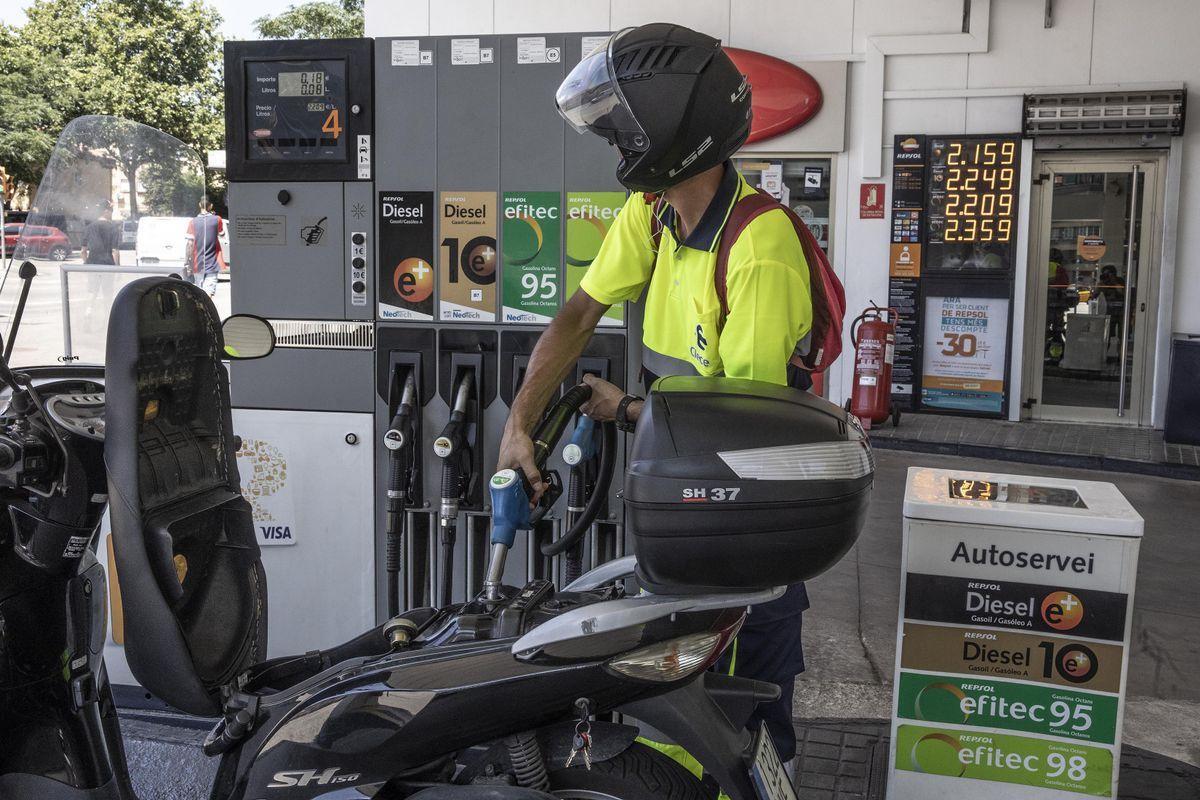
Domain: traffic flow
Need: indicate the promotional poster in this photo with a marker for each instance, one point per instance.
(467, 257)
(406, 276)
(966, 343)
(531, 240)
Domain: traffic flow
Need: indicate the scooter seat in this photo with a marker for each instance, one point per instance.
(192, 583)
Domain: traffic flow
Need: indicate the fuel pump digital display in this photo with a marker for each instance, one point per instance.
(296, 110)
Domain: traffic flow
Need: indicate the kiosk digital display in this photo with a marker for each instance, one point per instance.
(296, 110)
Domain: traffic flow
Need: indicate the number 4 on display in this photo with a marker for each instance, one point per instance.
(333, 124)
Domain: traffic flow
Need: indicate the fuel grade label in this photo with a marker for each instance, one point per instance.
(406, 276)
(1047, 608)
(589, 216)
(1050, 711)
(531, 240)
(467, 257)
(1004, 654)
(1043, 763)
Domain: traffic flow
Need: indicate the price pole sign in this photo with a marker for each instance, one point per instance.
(1013, 637)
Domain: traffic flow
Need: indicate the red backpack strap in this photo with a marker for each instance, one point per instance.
(743, 213)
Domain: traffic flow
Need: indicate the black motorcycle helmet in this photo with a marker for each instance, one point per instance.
(667, 97)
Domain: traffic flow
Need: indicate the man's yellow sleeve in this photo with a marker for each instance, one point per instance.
(770, 310)
(626, 258)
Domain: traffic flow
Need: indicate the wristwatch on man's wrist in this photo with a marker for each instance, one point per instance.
(624, 423)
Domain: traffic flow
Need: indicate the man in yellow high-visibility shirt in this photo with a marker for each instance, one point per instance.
(676, 108)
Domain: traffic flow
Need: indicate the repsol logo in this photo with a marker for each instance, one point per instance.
(276, 532)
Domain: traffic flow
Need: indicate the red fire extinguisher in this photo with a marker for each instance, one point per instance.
(873, 333)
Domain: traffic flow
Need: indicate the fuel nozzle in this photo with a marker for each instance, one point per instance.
(579, 453)
(452, 448)
(400, 442)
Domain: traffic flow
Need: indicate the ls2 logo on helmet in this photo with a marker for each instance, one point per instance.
(707, 143)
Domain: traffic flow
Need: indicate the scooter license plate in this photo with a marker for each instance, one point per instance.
(770, 779)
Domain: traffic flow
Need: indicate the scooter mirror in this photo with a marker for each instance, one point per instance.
(247, 336)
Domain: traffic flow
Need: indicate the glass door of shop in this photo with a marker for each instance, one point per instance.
(1092, 295)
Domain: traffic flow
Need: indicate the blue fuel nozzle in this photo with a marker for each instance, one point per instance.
(582, 446)
(510, 505)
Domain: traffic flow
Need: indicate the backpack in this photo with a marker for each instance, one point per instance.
(823, 343)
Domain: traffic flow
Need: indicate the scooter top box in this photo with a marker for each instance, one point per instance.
(737, 484)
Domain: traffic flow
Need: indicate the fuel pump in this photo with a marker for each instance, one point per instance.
(401, 440)
(453, 447)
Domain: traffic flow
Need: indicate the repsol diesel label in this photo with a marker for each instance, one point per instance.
(1047, 710)
(1047, 608)
(1005, 654)
(1043, 763)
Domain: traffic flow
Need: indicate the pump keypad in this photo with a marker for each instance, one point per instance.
(358, 268)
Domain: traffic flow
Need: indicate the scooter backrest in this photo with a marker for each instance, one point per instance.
(192, 583)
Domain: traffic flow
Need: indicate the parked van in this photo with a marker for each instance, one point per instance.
(162, 240)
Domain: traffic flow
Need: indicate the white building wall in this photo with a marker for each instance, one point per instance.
(1090, 43)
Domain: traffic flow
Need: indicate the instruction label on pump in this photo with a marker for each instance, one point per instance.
(531, 239)
(406, 53)
(467, 257)
(589, 216)
(533, 50)
(464, 52)
(406, 274)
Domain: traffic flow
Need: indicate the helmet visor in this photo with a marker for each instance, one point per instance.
(591, 102)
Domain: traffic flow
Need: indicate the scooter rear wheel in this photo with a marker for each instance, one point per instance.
(639, 773)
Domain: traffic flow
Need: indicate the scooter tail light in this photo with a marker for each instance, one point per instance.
(676, 659)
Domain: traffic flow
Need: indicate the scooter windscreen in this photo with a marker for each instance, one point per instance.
(106, 180)
(737, 485)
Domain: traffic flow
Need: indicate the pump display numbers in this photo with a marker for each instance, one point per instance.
(302, 84)
(972, 203)
(296, 110)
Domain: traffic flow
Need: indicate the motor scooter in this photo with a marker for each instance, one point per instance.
(507, 696)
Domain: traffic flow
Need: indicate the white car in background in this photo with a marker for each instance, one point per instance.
(162, 241)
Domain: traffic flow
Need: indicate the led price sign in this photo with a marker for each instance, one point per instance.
(980, 192)
(972, 203)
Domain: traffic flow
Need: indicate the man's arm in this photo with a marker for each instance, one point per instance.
(556, 351)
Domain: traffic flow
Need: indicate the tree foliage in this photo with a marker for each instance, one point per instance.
(322, 19)
(157, 62)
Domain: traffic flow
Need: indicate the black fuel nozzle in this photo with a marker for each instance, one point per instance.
(400, 441)
(452, 447)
